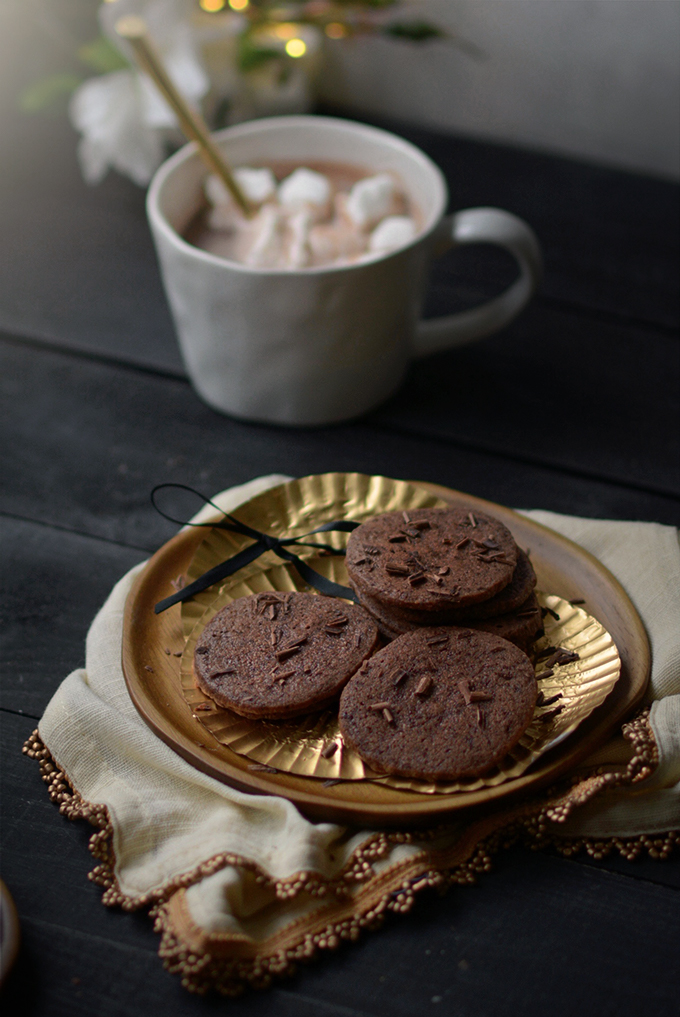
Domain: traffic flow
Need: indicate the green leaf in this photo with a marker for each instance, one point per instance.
(102, 56)
(43, 93)
(414, 31)
(251, 56)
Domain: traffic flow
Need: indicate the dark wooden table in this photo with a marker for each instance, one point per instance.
(573, 408)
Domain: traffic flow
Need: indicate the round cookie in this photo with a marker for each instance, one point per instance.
(431, 559)
(390, 624)
(520, 626)
(516, 593)
(278, 655)
(512, 596)
(439, 704)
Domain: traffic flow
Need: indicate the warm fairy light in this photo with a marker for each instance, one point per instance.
(212, 5)
(285, 31)
(296, 48)
(334, 30)
(238, 5)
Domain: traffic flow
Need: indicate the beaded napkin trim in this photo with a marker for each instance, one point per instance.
(357, 899)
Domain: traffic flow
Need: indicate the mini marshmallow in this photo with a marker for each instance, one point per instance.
(305, 188)
(394, 231)
(225, 218)
(267, 244)
(299, 254)
(336, 243)
(370, 200)
(216, 192)
(258, 185)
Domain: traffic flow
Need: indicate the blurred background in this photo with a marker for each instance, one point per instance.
(596, 79)
(592, 80)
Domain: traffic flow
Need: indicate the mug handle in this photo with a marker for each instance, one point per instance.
(483, 226)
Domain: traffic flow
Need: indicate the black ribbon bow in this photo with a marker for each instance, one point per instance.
(262, 542)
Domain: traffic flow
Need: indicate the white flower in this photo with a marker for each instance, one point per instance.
(123, 119)
(108, 112)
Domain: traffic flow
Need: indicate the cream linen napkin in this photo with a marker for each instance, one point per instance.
(173, 825)
(645, 558)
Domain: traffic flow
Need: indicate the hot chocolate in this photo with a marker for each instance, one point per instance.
(319, 214)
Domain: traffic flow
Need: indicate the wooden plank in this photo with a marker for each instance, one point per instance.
(53, 583)
(610, 238)
(597, 399)
(651, 870)
(62, 973)
(82, 271)
(85, 442)
(536, 933)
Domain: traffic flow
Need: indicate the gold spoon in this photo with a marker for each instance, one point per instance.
(133, 29)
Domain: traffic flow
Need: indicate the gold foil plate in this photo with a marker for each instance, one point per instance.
(297, 746)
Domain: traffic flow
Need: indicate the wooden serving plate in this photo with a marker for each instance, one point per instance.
(562, 567)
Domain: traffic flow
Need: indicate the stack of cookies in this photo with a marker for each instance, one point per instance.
(433, 567)
(448, 697)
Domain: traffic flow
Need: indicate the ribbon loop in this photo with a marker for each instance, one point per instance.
(263, 542)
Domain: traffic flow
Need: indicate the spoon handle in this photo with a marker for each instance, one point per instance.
(133, 29)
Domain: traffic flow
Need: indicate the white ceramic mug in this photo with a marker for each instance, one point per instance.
(320, 345)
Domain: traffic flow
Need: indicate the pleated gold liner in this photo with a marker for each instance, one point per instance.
(296, 746)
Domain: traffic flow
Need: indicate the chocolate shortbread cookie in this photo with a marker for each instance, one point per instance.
(511, 597)
(520, 626)
(277, 655)
(439, 704)
(431, 559)
(389, 627)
